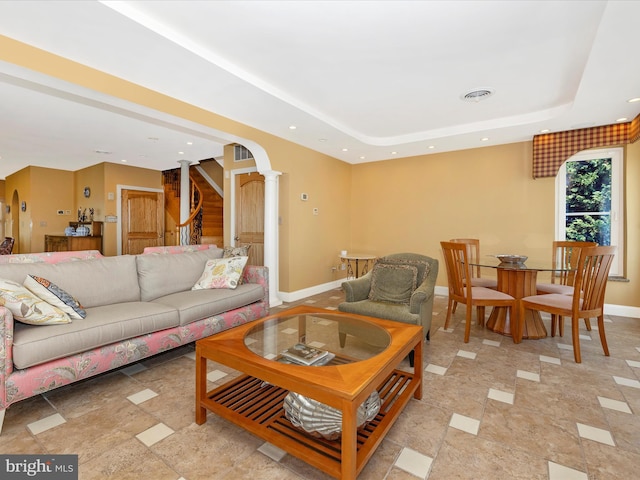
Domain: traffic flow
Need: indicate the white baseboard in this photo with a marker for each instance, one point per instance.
(307, 292)
(619, 310)
(609, 309)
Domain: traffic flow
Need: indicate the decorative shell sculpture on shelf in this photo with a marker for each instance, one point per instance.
(320, 420)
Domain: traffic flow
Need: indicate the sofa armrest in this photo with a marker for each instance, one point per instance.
(259, 275)
(358, 289)
(6, 353)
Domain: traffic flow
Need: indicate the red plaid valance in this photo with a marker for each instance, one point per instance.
(552, 149)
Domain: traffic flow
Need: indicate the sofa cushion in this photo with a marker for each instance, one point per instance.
(221, 273)
(54, 295)
(242, 251)
(195, 305)
(393, 283)
(28, 308)
(164, 274)
(103, 325)
(229, 251)
(101, 281)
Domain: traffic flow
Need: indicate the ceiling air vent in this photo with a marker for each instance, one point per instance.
(477, 95)
(241, 153)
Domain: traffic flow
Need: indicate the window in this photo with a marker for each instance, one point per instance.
(589, 202)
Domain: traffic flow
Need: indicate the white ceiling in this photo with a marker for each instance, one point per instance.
(359, 79)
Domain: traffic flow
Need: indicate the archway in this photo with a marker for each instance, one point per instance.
(13, 221)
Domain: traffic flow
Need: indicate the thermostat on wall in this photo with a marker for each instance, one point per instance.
(304, 196)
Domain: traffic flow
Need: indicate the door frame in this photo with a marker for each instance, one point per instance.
(234, 209)
(119, 189)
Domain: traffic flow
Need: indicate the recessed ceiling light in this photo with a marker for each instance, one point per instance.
(180, 153)
(292, 127)
(322, 139)
(431, 146)
(622, 119)
(634, 100)
(544, 130)
(477, 94)
(394, 153)
(361, 158)
(484, 139)
(345, 149)
(124, 160)
(189, 143)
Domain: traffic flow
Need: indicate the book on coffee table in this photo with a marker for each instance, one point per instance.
(304, 354)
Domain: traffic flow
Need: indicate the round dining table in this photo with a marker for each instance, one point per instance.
(519, 281)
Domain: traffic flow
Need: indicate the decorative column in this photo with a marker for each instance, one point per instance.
(185, 232)
(271, 233)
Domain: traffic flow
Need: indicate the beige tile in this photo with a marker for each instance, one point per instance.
(421, 417)
(606, 462)
(257, 466)
(91, 395)
(467, 457)
(130, 460)
(211, 450)
(531, 439)
(545, 437)
(97, 432)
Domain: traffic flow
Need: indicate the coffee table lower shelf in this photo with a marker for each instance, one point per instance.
(258, 407)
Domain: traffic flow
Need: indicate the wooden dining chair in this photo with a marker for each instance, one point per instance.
(473, 246)
(473, 252)
(587, 300)
(564, 257)
(456, 256)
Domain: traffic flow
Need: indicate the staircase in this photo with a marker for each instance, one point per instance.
(212, 218)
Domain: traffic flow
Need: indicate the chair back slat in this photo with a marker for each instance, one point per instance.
(473, 253)
(458, 269)
(592, 273)
(565, 259)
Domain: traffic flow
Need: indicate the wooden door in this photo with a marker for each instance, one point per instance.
(250, 215)
(142, 220)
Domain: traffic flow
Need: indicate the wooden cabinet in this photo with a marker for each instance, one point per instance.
(66, 243)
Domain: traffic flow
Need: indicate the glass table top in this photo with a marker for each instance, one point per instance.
(320, 331)
(490, 261)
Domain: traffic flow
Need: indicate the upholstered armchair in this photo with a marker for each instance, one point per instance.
(399, 287)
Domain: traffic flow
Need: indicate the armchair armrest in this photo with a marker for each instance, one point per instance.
(425, 290)
(358, 289)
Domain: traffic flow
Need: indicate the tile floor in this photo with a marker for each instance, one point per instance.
(490, 410)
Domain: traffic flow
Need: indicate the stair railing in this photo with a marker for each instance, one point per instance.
(192, 221)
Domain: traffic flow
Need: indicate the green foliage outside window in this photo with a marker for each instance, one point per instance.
(588, 201)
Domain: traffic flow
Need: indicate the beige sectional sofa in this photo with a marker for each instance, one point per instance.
(136, 306)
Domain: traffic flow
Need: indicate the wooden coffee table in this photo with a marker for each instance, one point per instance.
(254, 401)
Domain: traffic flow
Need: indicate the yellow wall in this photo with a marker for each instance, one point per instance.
(412, 204)
(47, 190)
(214, 170)
(18, 188)
(380, 207)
